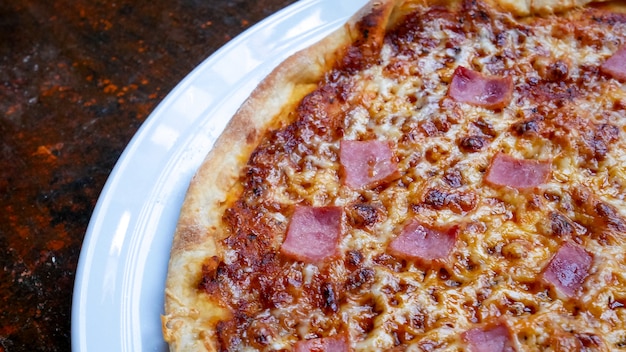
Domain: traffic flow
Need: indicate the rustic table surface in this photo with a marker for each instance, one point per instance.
(77, 79)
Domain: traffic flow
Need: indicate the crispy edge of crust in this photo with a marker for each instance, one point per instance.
(538, 7)
(189, 318)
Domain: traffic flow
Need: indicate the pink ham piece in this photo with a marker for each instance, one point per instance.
(517, 173)
(489, 339)
(324, 344)
(568, 269)
(367, 163)
(313, 234)
(473, 88)
(615, 66)
(423, 244)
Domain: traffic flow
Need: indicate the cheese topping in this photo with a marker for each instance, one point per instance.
(563, 112)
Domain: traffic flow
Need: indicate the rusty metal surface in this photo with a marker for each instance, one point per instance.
(77, 79)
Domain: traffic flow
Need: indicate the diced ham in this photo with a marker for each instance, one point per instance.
(474, 88)
(367, 163)
(324, 344)
(615, 66)
(506, 170)
(313, 234)
(568, 269)
(421, 243)
(489, 339)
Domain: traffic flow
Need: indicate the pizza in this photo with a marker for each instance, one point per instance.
(433, 176)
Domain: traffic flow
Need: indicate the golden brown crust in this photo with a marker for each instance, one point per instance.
(189, 318)
(538, 7)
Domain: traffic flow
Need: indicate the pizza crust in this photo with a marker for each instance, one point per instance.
(541, 7)
(189, 320)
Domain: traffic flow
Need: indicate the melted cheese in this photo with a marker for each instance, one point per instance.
(506, 238)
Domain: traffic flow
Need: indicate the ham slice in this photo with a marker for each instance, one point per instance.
(324, 344)
(473, 88)
(313, 234)
(615, 66)
(568, 269)
(367, 163)
(421, 243)
(517, 173)
(489, 339)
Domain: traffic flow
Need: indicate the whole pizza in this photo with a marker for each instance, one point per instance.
(433, 176)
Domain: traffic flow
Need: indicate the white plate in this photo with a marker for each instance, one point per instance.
(118, 293)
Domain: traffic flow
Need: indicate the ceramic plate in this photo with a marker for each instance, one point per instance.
(118, 293)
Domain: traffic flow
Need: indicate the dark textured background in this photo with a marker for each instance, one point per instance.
(77, 79)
